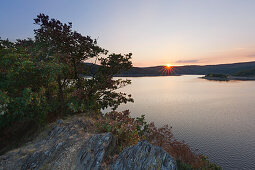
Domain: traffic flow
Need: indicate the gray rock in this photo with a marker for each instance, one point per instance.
(144, 156)
(60, 121)
(95, 150)
(55, 148)
(67, 145)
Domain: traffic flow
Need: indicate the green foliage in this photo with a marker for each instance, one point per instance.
(183, 166)
(42, 78)
(142, 126)
(218, 76)
(20, 87)
(70, 48)
(126, 129)
(205, 165)
(209, 165)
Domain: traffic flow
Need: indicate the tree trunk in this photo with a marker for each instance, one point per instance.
(47, 93)
(60, 96)
(76, 75)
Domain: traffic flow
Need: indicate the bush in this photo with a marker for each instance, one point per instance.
(181, 152)
(128, 131)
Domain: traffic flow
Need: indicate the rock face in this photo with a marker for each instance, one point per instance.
(68, 145)
(55, 148)
(94, 151)
(144, 156)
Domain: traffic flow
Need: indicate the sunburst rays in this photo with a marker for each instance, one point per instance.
(167, 70)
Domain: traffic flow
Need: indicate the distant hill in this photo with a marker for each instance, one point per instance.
(188, 70)
(246, 73)
(192, 69)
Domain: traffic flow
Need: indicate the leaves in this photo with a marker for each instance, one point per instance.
(124, 128)
(44, 76)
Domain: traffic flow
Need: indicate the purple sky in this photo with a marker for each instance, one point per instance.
(157, 32)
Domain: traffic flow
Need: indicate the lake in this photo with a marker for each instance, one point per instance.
(217, 118)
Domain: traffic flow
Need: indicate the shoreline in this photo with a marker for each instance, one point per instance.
(229, 78)
(145, 75)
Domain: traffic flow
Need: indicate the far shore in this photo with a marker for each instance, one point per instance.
(144, 75)
(229, 78)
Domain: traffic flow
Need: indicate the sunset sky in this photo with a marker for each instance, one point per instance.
(157, 32)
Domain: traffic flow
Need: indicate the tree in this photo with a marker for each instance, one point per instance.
(70, 48)
(44, 77)
(21, 86)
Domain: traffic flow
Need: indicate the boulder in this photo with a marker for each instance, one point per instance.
(144, 156)
(94, 152)
(67, 145)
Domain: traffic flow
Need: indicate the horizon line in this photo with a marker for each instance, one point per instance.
(197, 64)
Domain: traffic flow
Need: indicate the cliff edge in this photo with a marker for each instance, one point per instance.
(70, 144)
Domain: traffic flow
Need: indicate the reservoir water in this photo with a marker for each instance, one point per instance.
(215, 117)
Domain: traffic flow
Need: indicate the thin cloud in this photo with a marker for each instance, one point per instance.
(187, 61)
(251, 56)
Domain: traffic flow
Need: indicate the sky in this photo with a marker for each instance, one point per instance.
(157, 32)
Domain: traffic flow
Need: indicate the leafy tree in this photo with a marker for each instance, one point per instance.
(21, 86)
(99, 90)
(71, 49)
(44, 77)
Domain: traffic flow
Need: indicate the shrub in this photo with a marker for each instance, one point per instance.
(163, 137)
(128, 131)
(181, 152)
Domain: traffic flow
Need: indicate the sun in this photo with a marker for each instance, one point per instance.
(168, 65)
(168, 69)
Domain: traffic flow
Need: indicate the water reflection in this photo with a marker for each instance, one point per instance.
(218, 118)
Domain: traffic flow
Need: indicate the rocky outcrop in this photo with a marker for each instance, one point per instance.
(68, 145)
(93, 153)
(144, 156)
(55, 148)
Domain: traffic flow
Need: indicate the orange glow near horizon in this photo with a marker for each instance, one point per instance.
(168, 69)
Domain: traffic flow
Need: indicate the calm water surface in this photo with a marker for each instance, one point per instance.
(217, 118)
